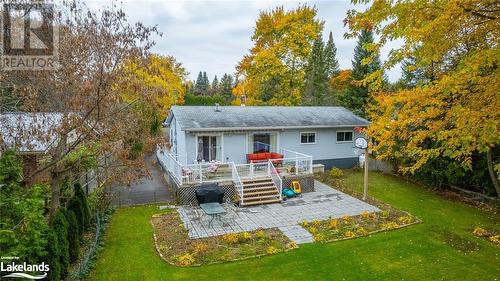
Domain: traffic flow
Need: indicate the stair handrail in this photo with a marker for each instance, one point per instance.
(275, 176)
(237, 181)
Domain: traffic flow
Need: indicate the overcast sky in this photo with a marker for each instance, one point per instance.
(213, 36)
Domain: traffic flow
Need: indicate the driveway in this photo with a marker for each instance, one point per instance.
(149, 189)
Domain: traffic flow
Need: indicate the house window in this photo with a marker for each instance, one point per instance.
(262, 142)
(209, 148)
(307, 138)
(344, 136)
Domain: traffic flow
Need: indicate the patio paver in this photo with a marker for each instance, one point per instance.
(325, 202)
(297, 233)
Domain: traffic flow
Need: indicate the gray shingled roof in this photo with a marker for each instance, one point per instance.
(204, 118)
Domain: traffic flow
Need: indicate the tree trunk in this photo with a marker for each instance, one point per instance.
(55, 192)
(56, 174)
(493, 176)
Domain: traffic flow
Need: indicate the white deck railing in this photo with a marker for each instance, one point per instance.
(237, 181)
(293, 163)
(275, 176)
(168, 162)
(296, 162)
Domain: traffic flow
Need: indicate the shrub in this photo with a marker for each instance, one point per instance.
(349, 234)
(495, 239)
(76, 206)
(53, 253)
(271, 250)
(80, 195)
(319, 237)
(260, 234)
(200, 247)
(191, 99)
(480, 232)
(186, 259)
(316, 223)
(245, 236)
(230, 238)
(365, 215)
(346, 219)
(333, 224)
(60, 226)
(313, 230)
(360, 231)
(292, 245)
(73, 235)
(336, 173)
(304, 224)
(389, 225)
(384, 213)
(405, 219)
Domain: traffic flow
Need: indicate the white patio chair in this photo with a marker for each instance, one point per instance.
(231, 211)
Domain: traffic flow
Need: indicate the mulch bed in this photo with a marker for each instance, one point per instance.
(174, 245)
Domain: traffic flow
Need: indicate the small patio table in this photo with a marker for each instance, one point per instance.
(215, 210)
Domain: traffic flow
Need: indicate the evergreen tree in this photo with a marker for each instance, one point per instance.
(332, 64)
(356, 96)
(199, 86)
(80, 195)
(413, 74)
(316, 76)
(60, 226)
(215, 83)
(53, 254)
(73, 235)
(206, 82)
(226, 87)
(75, 206)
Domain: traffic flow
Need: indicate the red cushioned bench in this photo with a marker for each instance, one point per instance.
(275, 157)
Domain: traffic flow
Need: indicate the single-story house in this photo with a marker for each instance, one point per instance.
(234, 133)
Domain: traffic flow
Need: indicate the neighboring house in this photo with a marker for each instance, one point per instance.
(33, 135)
(231, 133)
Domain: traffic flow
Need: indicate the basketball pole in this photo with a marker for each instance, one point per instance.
(365, 181)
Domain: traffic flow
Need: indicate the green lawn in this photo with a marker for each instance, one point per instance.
(440, 248)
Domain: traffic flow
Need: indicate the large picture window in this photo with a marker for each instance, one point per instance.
(344, 136)
(307, 138)
(262, 142)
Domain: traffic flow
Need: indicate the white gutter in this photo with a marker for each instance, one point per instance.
(267, 128)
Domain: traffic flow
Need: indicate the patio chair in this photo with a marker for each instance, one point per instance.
(232, 211)
(195, 212)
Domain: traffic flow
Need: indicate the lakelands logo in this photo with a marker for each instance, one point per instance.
(18, 270)
(29, 37)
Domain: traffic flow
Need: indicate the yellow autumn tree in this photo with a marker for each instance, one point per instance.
(274, 70)
(454, 116)
(153, 85)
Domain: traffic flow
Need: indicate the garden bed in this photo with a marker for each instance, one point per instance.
(174, 245)
(356, 226)
(389, 218)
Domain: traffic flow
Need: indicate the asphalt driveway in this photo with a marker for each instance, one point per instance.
(149, 189)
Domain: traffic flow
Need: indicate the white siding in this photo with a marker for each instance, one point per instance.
(181, 145)
(326, 146)
(235, 148)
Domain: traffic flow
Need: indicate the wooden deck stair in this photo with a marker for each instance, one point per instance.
(259, 191)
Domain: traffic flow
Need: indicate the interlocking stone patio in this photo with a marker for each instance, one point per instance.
(325, 202)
